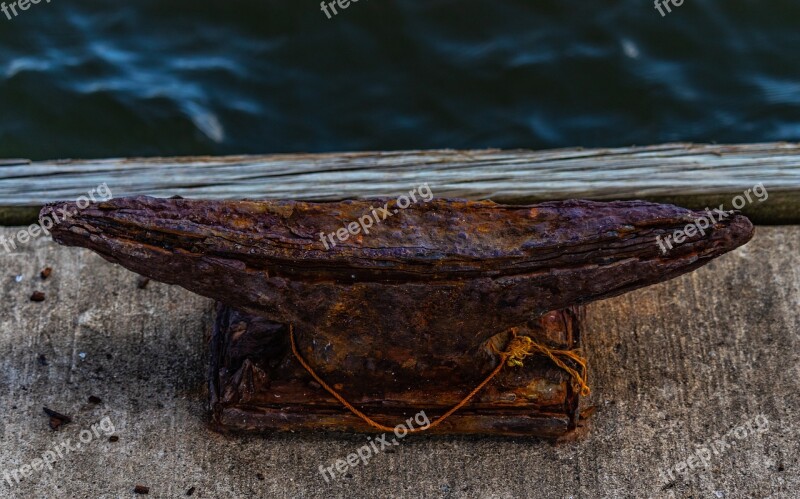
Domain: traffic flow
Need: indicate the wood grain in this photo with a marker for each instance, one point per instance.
(690, 175)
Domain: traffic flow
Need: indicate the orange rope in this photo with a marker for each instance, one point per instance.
(518, 348)
(523, 346)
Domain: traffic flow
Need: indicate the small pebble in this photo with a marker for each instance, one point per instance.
(37, 296)
(46, 273)
(18, 278)
(113, 438)
(95, 400)
(141, 489)
(57, 420)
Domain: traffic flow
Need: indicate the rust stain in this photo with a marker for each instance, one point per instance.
(399, 317)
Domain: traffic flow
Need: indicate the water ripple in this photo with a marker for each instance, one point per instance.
(87, 78)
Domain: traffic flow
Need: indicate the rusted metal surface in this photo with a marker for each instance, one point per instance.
(256, 384)
(409, 307)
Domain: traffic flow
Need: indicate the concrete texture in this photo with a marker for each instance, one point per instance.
(674, 369)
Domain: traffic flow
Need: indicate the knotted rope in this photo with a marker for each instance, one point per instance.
(517, 349)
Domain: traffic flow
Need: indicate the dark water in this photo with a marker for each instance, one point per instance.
(81, 78)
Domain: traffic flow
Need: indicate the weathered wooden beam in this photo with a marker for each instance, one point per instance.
(691, 175)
